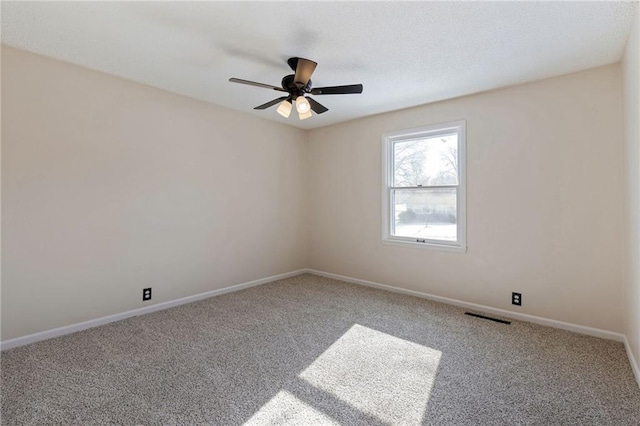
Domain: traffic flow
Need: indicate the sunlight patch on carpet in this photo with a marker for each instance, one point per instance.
(285, 408)
(378, 374)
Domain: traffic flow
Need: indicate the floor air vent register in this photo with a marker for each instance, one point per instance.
(501, 321)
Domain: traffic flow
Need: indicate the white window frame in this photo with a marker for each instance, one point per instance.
(388, 140)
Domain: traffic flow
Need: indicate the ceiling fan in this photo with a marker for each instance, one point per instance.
(297, 86)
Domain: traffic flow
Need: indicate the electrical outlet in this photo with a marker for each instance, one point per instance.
(516, 299)
(146, 294)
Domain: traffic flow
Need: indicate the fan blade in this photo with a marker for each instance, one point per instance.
(337, 90)
(271, 103)
(304, 69)
(316, 106)
(253, 83)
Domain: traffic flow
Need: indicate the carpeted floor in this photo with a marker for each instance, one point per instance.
(310, 350)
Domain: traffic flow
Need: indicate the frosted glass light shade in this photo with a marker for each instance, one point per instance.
(284, 109)
(304, 115)
(302, 105)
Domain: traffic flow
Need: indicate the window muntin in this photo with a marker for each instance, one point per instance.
(424, 193)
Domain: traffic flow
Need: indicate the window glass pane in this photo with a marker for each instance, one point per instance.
(429, 161)
(425, 213)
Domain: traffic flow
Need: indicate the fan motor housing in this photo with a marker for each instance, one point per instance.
(290, 86)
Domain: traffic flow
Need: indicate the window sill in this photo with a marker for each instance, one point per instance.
(428, 246)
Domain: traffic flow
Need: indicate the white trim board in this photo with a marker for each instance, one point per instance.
(596, 332)
(61, 331)
(632, 360)
(68, 329)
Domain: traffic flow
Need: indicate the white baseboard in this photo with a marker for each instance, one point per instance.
(632, 360)
(596, 332)
(61, 331)
(501, 312)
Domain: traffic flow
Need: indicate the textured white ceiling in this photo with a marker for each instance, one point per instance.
(404, 53)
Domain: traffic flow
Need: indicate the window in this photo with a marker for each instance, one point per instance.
(424, 187)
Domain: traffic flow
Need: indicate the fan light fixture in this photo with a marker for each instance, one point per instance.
(303, 106)
(304, 115)
(284, 109)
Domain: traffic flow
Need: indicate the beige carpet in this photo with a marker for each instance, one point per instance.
(310, 350)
